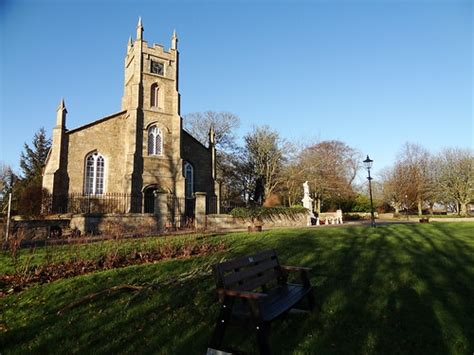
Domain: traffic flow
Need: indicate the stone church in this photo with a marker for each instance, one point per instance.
(140, 150)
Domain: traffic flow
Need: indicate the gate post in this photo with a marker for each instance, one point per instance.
(200, 211)
(161, 208)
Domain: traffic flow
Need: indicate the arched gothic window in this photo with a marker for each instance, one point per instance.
(155, 141)
(189, 180)
(94, 175)
(154, 95)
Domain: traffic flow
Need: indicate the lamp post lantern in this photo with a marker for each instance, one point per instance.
(368, 165)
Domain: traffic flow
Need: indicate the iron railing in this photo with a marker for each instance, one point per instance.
(181, 211)
(225, 205)
(82, 203)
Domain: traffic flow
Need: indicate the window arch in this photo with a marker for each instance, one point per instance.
(155, 141)
(154, 95)
(94, 174)
(189, 180)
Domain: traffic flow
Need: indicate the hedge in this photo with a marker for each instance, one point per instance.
(260, 212)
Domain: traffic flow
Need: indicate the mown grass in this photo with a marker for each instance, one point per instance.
(393, 289)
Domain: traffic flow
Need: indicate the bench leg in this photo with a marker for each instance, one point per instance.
(263, 334)
(221, 324)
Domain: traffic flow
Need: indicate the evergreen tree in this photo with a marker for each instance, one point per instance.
(27, 192)
(33, 158)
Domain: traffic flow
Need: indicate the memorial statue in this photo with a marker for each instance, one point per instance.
(307, 202)
(306, 188)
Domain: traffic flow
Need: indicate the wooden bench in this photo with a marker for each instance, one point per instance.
(254, 290)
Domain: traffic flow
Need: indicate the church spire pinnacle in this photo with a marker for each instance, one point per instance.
(174, 40)
(62, 105)
(212, 136)
(61, 114)
(140, 28)
(212, 148)
(129, 45)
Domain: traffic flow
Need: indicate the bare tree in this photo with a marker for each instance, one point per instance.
(396, 187)
(230, 162)
(293, 177)
(330, 167)
(7, 179)
(455, 177)
(414, 163)
(224, 123)
(266, 153)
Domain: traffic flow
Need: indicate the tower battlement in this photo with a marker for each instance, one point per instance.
(151, 75)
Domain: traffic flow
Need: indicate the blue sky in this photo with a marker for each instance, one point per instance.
(374, 74)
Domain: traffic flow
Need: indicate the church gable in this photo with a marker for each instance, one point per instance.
(104, 137)
(201, 160)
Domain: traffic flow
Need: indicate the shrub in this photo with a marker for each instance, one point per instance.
(257, 213)
(361, 204)
(29, 202)
(271, 201)
(353, 217)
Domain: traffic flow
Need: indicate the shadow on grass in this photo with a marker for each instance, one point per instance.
(394, 289)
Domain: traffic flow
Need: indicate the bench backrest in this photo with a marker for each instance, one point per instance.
(248, 273)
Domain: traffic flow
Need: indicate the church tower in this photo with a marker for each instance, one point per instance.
(152, 102)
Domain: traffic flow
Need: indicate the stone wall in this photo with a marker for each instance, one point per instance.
(39, 229)
(217, 222)
(111, 224)
(69, 226)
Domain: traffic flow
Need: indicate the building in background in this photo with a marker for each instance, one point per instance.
(138, 151)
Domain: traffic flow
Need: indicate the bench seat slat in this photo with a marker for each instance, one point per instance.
(244, 261)
(283, 299)
(252, 284)
(249, 272)
(277, 303)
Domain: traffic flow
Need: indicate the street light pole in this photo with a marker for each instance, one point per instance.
(368, 164)
(406, 206)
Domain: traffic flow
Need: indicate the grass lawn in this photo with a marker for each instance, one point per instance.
(406, 288)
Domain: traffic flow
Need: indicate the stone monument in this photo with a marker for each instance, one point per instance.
(339, 217)
(307, 202)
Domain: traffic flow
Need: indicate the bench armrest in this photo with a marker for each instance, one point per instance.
(295, 268)
(301, 269)
(240, 294)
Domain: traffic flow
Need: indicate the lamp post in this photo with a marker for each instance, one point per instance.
(368, 165)
(7, 232)
(406, 206)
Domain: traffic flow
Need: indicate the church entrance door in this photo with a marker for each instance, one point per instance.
(149, 200)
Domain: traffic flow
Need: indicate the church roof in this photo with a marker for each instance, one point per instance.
(100, 120)
(194, 138)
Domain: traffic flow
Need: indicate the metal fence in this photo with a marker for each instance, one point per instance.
(181, 212)
(224, 206)
(81, 203)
